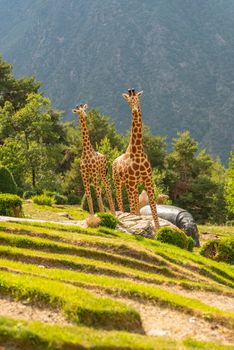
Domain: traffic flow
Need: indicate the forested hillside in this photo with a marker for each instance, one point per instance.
(179, 52)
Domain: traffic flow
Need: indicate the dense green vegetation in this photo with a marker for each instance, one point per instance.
(43, 154)
(219, 250)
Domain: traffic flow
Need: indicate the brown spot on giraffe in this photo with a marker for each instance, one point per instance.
(93, 166)
(134, 162)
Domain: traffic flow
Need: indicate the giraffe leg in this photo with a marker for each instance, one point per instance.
(133, 200)
(108, 194)
(98, 193)
(148, 183)
(88, 193)
(118, 189)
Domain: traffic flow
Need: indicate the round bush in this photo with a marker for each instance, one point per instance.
(29, 194)
(43, 200)
(7, 182)
(107, 220)
(73, 199)
(173, 236)
(11, 205)
(219, 250)
(59, 199)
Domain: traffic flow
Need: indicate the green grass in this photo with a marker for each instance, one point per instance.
(43, 212)
(68, 268)
(127, 288)
(36, 335)
(78, 304)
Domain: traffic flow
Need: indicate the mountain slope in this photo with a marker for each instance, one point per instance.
(180, 53)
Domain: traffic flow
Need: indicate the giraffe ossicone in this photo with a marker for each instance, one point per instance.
(133, 167)
(93, 165)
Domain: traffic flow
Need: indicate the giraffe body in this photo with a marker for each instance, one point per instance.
(133, 167)
(93, 166)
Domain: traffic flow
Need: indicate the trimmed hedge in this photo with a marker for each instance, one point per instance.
(175, 237)
(107, 220)
(7, 182)
(10, 205)
(219, 250)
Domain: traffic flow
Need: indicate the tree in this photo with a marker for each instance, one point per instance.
(101, 127)
(38, 137)
(179, 164)
(229, 186)
(155, 148)
(195, 181)
(15, 90)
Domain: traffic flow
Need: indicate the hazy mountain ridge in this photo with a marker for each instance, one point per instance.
(180, 53)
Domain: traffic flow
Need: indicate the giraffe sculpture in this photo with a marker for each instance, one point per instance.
(93, 165)
(133, 167)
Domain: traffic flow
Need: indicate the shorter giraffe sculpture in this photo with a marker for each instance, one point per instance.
(133, 167)
(93, 165)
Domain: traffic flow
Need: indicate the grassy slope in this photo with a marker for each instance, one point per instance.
(64, 266)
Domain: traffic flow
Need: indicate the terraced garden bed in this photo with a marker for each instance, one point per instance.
(67, 287)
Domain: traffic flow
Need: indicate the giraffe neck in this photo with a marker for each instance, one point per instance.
(135, 146)
(87, 147)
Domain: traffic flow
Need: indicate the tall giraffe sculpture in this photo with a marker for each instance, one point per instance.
(133, 167)
(93, 165)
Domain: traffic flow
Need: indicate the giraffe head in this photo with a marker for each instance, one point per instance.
(80, 109)
(132, 98)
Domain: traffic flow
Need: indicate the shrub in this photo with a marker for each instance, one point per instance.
(7, 182)
(84, 201)
(191, 244)
(49, 193)
(175, 237)
(108, 220)
(29, 194)
(11, 205)
(220, 250)
(59, 199)
(73, 199)
(43, 200)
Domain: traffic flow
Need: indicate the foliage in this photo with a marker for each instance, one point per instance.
(15, 90)
(108, 220)
(175, 237)
(73, 199)
(30, 194)
(7, 182)
(100, 127)
(43, 199)
(220, 250)
(229, 186)
(73, 183)
(10, 205)
(60, 199)
(195, 181)
(34, 131)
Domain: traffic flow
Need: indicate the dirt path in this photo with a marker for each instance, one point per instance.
(158, 321)
(220, 301)
(24, 311)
